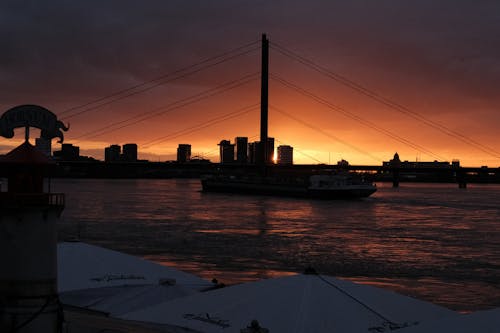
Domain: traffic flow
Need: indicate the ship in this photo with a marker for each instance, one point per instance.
(338, 185)
(323, 186)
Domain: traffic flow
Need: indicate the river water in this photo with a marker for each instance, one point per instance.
(431, 241)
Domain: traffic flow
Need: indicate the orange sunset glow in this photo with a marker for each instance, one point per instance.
(357, 81)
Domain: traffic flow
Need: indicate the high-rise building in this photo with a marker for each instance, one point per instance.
(241, 149)
(129, 152)
(285, 155)
(270, 151)
(252, 152)
(255, 152)
(68, 152)
(112, 153)
(44, 146)
(226, 150)
(183, 153)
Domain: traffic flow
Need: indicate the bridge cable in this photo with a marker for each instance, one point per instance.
(385, 101)
(148, 85)
(301, 152)
(202, 125)
(319, 130)
(354, 117)
(134, 120)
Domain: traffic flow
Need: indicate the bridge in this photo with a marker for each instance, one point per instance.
(377, 173)
(385, 173)
(461, 174)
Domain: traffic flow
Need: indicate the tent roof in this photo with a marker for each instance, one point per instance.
(26, 154)
(85, 266)
(298, 303)
(114, 301)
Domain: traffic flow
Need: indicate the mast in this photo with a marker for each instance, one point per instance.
(264, 100)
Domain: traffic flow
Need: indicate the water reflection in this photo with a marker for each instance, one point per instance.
(424, 240)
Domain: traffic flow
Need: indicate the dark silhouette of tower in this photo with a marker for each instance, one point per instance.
(112, 153)
(241, 149)
(285, 155)
(129, 153)
(183, 153)
(226, 151)
(264, 95)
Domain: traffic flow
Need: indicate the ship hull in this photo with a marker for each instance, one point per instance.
(288, 190)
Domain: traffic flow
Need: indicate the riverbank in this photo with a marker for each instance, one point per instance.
(166, 170)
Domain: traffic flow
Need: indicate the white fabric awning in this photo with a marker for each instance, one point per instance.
(98, 279)
(298, 303)
(85, 266)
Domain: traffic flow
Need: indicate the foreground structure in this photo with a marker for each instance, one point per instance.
(28, 215)
(28, 218)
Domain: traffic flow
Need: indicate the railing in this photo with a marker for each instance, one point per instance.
(24, 200)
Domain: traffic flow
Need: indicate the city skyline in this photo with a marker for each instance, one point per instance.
(281, 154)
(113, 152)
(436, 60)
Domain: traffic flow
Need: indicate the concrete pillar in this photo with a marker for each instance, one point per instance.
(460, 177)
(395, 178)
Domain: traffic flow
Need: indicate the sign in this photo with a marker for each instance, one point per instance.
(32, 116)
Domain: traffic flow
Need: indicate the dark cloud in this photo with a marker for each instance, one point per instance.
(62, 42)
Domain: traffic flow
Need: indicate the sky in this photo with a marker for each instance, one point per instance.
(356, 80)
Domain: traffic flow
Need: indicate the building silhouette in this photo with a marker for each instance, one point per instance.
(129, 153)
(226, 151)
(183, 153)
(246, 153)
(270, 151)
(44, 146)
(112, 153)
(241, 149)
(252, 152)
(255, 152)
(285, 155)
(68, 152)
(396, 162)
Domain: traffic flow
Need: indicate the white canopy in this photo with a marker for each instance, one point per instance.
(85, 266)
(298, 303)
(111, 282)
(477, 322)
(114, 301)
